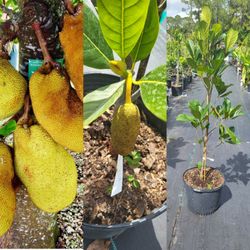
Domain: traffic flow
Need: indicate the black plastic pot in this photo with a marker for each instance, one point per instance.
(185, 83)
(248, 87)
(169, 83)
(92, 231)
(203, 202)
(176, 90)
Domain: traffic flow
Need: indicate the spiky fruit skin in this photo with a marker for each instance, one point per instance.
(125, 128)
(58, 109)
(12, 90)
(7, 193)
(46, 169)
(72, 43)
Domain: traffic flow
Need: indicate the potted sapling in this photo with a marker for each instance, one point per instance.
(112, 120)
(206, 56)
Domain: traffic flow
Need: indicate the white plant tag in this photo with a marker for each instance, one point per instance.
(117, 187)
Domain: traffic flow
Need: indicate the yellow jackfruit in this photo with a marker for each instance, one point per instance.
(12, 90)
(72, 42)
(125, 128)
(7, 193)
(46, 169)
(57, 107)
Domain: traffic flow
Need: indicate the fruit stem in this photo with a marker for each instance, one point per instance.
(25, 117)
(69, 6)
(129, 82)
(43, 45)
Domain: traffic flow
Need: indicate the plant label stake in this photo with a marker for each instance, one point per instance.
(117, 187)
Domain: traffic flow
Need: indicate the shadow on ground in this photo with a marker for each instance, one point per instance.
(174, 146)
(237, 169)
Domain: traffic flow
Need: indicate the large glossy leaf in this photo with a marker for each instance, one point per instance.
(122, 22)
(231, 39)
(206, 15)
(100, 100)
(154, 94)
(97, 53)
(149, 34)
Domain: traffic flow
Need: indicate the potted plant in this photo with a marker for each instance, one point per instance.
(131, 45)
(206, 56)
(243, 55)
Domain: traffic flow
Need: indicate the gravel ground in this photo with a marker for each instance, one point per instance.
(70, 220)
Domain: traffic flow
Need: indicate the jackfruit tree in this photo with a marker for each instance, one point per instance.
(40, 102)
(119, 43)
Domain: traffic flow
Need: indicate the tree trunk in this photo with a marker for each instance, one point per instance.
(50, 15)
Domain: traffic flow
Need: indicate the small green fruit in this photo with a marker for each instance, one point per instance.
(125, 128)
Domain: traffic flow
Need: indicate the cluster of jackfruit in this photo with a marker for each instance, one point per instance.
(125, 128)
(41, 161)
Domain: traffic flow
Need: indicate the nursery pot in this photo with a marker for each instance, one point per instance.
(176, 90)
(169, 83)
(185, 82)
(205, 201)
(101, 232)
(248, 87)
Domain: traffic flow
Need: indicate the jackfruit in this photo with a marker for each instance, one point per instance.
(57, 107)
(7, 193)
(125, 128)
(46, 169)
(71, 38)
(12, 90)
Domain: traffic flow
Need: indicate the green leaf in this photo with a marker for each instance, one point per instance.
(131, 178)
(233, 138)
(122, 22)
(149, 34)
(206, 15)
(231, 39)
(154, 94)
(185, 118)
(8, 128)
(195, 108)
(136, 184)
(100, 100)
(97, 53)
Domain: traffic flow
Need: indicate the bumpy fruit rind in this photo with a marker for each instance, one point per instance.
(46, 169)
(7, 192)
(12, 90)
(125, 128)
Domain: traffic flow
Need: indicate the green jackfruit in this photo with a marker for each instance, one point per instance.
(7, 193)
(46, 169)
(57, 107)
(12, 90)
(125, 128)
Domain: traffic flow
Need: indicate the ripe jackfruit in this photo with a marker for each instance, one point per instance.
(125, 128)
(7, 193)
(12, 90)
(57, 107)
(46, 169)
(72, 42)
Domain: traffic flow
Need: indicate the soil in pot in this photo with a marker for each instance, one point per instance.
(214, 179)
(99, 172)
